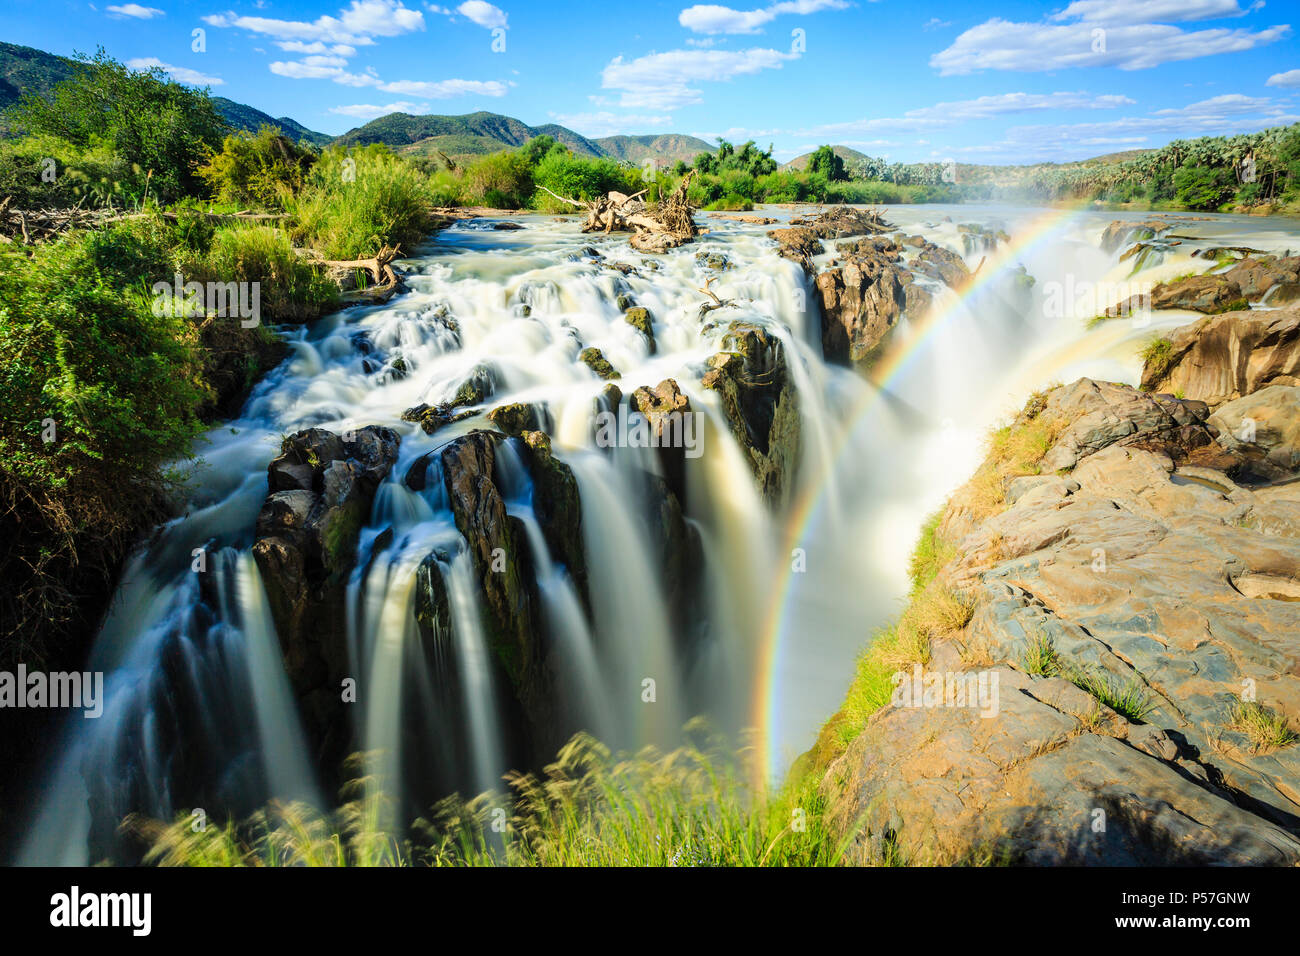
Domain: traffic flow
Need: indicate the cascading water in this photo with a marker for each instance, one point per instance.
(199, 711)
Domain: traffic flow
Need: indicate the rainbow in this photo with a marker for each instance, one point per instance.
(806, 508)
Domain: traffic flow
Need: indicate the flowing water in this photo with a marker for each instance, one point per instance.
(199, 710)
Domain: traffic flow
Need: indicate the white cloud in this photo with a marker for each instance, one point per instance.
(484, 14)
(445, 89)
(1290, 79)
(608, 124)
(1028, 47)
(297, 46)
(713, 18)
(357, 25)
(135, 10)
(180, 74)
(1149, 11)
(368, 112)
(662, 81)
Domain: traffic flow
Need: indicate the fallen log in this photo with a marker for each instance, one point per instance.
(667, 225)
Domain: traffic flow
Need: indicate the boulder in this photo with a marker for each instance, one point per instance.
(1225, 357)
(595, 360)
(321, 486)
(862, 301)
(798, 245)
(640, 319)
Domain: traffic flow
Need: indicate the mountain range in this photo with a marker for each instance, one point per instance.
(24, 69)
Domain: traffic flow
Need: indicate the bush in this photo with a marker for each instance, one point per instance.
(501, 180)
(93, 177)
(732, 202)
(83, 360)
(257, 169)
(356, 200)
(1200, 187)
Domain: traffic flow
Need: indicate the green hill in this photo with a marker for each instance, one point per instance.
(469, 135)
(669, 147)
(26, 70)
(239, 116)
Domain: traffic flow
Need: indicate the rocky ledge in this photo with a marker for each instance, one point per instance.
(871, 283)
(1134, 610)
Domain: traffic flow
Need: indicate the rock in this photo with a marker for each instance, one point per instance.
(1255, 275)
(666, 409)
(862, 301)
(840, 222)
(498, 547)
(714, 261)
(942, 264)
(558, 507)
(1222, 358)
(641, 320)
(321, 488)
(1120, 233)
(475, 390)
(1182, 590)
(798, 245)
(1263, 427)
(595, 360)
(1211, 294)
(518, 417)
(761, 405)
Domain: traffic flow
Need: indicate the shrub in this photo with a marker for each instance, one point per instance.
(257, 169)
(500, 180)
(290, 289)
(347, 210)
(1266, 729)
(81, 352)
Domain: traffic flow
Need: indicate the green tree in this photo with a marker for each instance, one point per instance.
(163, 128)
(828, 163)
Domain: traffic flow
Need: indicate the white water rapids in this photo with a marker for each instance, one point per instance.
(194, 663)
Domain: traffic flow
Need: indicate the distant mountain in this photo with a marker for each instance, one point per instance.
(850, 156)
(242, 117)
(669, 147)
(470, 135)
(27, 70)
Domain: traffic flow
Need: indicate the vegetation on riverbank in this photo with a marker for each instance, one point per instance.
(694, 806)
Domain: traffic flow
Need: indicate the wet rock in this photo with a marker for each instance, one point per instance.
(840, 222)
(640, 319)
(558, 507)
(714, 261)
(862, 301)
(1222, 358)
(761, 405)
(666, 409)
(1121, 233)
(519, 417)
(432, 607)
(942, 264)
(595, 360)
(1211, 294)
(798, 245)
(321, 489)
(475, 390)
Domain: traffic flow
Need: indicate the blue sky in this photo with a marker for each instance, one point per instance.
(911, 80)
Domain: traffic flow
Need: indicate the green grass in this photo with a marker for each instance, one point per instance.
(930, 555)
(1266, 729)
(1129, 699)
(1040, 657)
(1157, 356)
(694, 806)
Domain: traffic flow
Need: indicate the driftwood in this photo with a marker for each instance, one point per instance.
(668, 224)
(42, 225)
(717, 303)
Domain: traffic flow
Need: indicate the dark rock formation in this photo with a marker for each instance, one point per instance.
(321, 489)
(761, 404)
(862, 301)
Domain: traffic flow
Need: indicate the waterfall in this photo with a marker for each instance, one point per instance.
(199, 708)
